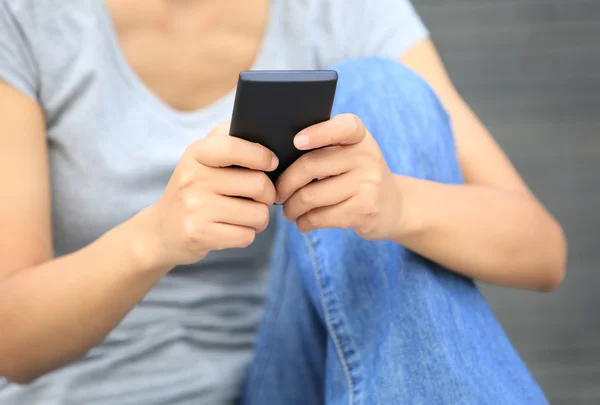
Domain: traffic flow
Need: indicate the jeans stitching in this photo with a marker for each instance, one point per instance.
(329, 322)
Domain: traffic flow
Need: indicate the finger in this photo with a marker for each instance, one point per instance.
(227, 236)
(225, 210)
(333, 216)
(220, 130)
(323, 193)
(317, 164)
(225, 151)
(241, 212)
(238, 182)
(230, 181)
(344, 129)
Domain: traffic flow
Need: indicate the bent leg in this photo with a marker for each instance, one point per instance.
(399, 328)
(289, 360)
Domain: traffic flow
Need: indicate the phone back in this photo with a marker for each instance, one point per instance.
(271, 107)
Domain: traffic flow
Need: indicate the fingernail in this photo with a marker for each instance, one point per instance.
(279, 201)
(301, 141)
(274, 162)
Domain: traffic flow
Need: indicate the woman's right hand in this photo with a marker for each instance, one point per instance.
(201, 209)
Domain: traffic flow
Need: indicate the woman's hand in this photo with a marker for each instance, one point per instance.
(356, 190)
(201, 211)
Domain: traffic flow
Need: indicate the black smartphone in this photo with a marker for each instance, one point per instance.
(271, 107)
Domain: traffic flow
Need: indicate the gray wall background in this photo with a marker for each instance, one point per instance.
(531, 71)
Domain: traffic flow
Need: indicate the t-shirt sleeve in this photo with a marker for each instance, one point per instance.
(17, 64)
(363, 28)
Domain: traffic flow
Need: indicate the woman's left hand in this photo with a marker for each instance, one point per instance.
(356, 190)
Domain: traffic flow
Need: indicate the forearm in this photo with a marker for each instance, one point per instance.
(54, 313)
(490, 235)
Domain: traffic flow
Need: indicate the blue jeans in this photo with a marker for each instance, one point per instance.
(353, 322)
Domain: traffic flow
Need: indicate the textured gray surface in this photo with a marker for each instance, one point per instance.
(531, 70)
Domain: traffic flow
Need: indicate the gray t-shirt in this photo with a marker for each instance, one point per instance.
(113, 146)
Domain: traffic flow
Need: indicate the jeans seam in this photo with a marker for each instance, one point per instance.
(272, 316)
(328, 321)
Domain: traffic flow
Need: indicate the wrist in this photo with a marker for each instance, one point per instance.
(138, 237)
(410, 220)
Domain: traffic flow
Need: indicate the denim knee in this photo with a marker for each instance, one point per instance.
(403, 114)
(366, 77)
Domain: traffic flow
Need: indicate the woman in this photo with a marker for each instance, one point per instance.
(119, 282)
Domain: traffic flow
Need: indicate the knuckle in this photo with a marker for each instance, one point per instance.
(263, 183)
(225, 145)
(262, 186)
(308, 163)
(189, 174)
(307, 196)
(366, 230)
(373, 178)
(263, 218)
(288, 210)
(370, 208)
(247, 238)
(313, 220)
(191, 203)
(186, 180)
(352, 123)
(228, 145)
(367, 188)
(369, 205)
(364, 220)
(191, 234)
(303, 226)
(355, 123)
(202, 254)
(266, 158)
(271, 195)
(369, 159)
